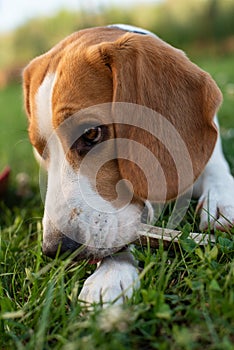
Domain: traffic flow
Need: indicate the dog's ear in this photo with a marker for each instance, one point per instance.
(176, 127)
(33, 76)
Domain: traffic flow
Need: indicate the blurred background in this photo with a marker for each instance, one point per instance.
(203, 28)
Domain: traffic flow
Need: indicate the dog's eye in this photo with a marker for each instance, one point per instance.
(92, 135)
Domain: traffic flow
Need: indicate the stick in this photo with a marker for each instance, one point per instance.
(155, 234)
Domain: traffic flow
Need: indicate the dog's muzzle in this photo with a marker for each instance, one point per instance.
(64, 245)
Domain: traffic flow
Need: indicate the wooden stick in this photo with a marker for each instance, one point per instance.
(156, 234)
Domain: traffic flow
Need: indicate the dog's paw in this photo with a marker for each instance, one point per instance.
(113, 281)
(217, 207)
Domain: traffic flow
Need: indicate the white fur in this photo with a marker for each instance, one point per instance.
(101, 225)
(130, 28)
(115, 279)
(44, 106)
(39, 159)
(215, 189)
(43, 100)
(69, 194)
(133, 29)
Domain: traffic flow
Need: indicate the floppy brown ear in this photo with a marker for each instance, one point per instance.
(180, 133)
(36, 71)
(33, 76)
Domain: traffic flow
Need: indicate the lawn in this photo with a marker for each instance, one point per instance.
(186, 300)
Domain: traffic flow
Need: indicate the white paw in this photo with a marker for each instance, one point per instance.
(217, 207)
(113, 281)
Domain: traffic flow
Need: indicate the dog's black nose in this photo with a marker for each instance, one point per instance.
(64, 246)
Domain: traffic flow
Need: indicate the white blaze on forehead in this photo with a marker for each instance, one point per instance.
(44, 105)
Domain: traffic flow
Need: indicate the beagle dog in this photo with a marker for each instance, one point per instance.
(120, 119)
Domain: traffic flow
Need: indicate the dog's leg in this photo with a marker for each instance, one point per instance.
(215, 190)
(114, 279)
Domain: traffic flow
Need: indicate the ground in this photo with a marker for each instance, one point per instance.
(186, 297)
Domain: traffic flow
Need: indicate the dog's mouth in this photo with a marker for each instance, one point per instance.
(66, 247)
(94, 261)
(93, 255)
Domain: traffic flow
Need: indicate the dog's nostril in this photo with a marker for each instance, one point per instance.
(69, 244)
(49, 251)
(64, 245)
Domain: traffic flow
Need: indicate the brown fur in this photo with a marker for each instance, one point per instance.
(103, 65)
(151, 73)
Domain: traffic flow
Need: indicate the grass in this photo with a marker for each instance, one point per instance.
(15, 148)
(187, 294)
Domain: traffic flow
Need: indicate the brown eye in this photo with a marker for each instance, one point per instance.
(92, 135)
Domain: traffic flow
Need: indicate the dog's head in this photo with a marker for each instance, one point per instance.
(116, 119)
